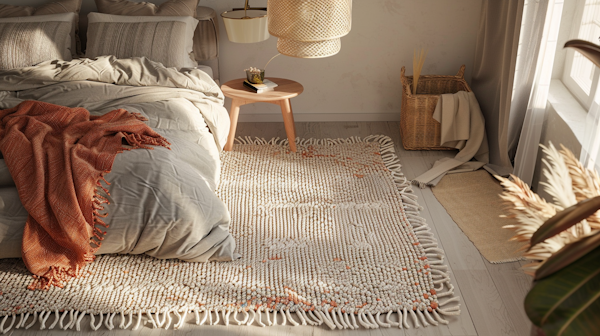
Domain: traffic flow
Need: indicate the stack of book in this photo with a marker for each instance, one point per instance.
(266, 86)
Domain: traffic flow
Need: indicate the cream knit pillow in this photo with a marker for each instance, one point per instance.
(26, 41)
(55, 7)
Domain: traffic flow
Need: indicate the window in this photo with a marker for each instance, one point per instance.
(580, 75)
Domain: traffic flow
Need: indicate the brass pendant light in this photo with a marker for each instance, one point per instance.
(246, 25)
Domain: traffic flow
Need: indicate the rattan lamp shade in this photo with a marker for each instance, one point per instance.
(309, 28)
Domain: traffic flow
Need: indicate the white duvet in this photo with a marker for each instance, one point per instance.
(162, 202)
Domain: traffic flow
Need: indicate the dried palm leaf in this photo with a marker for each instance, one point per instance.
(525, 206)
(530, 212)
(530, 268)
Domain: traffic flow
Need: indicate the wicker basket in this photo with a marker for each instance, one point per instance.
(418, 129)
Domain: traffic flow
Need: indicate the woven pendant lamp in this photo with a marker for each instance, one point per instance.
(309, 28)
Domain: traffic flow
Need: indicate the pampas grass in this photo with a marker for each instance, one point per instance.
(418, 61)
(568, 183)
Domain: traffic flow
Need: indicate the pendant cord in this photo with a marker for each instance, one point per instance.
(265, 68)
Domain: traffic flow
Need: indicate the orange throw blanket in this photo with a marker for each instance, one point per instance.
(57, 157)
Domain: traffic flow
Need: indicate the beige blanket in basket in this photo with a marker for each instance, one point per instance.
(463, 128)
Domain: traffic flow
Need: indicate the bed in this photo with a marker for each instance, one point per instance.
(163, 202)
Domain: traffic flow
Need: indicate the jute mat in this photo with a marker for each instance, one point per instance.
(472, 200)
(330, 235)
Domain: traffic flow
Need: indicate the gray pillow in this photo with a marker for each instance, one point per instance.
(164, 39)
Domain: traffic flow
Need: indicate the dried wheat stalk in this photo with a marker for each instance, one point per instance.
(418, 61)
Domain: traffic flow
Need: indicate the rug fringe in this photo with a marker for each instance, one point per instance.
(334, 319)
(507, 260)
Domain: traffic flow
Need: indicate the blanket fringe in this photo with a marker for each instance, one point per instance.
(334, 318)
(144, 141)
(57, 276)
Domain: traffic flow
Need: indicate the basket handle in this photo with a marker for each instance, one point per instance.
(405, 81)
(461, 72)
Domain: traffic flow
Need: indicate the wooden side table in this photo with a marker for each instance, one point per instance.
(240, 96)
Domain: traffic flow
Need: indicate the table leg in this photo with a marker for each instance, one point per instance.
(288, 121)
(233, 116)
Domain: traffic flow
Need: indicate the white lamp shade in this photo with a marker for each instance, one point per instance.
(248, 26)
(309, 28)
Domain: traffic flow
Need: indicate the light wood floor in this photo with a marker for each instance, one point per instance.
(492, 294)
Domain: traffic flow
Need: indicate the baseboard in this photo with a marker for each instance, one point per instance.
(321, 117)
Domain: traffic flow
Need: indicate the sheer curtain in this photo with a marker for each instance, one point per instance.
(591, 140)
(532, 27)
(527, 149)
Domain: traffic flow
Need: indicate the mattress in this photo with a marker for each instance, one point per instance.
(208, 70)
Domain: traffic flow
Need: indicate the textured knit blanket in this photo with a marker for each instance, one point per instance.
(57, 157)
(463, 128)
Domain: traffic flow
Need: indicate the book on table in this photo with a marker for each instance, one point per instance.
(260, 88)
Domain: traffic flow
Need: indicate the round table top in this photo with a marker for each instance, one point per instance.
(285, 89)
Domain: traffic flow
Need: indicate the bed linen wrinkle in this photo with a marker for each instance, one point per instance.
(116, 97)
(177, 214)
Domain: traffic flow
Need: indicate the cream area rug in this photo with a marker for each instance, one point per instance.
(330, 235)
(472, 200)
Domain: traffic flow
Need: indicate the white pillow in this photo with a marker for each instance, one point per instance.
(28, 40)
(164, 39)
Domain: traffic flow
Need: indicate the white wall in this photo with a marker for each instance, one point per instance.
(362, 82)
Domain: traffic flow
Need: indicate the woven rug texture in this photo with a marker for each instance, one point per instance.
(472, 200)
(330, 235)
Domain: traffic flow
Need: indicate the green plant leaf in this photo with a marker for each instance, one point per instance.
(565, 219)
(567, 255)
(587, 49)
(568, 302)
